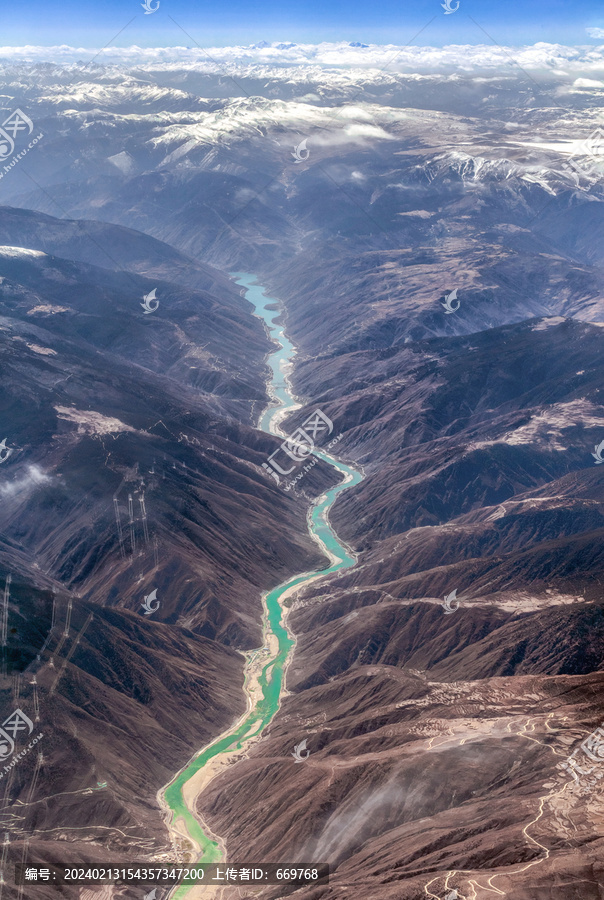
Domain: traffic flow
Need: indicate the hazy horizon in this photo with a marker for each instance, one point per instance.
(423, 23)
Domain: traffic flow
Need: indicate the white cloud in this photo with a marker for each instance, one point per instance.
(33, 477)
(345, 62)
(595, 32)
(370, 131)
(587, 83)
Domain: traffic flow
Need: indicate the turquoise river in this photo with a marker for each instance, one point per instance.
(271, 677)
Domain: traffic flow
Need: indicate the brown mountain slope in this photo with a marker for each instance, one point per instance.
(413, 784)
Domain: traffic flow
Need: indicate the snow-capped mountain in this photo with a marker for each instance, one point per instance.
(431, 222)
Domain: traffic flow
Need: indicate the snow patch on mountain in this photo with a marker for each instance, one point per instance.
(90, 422)
(47, 309)
(43, 351)
(547, 323)
(474, 168)
(20, 253)
(547, 426)
(255, 117)
(128, 91)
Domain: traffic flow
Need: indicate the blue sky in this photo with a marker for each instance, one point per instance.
(95, 24)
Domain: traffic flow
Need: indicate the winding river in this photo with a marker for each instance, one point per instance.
(265, 667)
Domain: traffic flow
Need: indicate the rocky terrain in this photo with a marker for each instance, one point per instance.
(440, 269)
(133, 471)
(436, 736)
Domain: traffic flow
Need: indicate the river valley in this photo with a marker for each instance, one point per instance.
(265, 667)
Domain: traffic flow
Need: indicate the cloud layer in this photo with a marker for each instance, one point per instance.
(541, 57)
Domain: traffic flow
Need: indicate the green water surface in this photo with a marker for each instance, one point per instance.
(271, 678)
